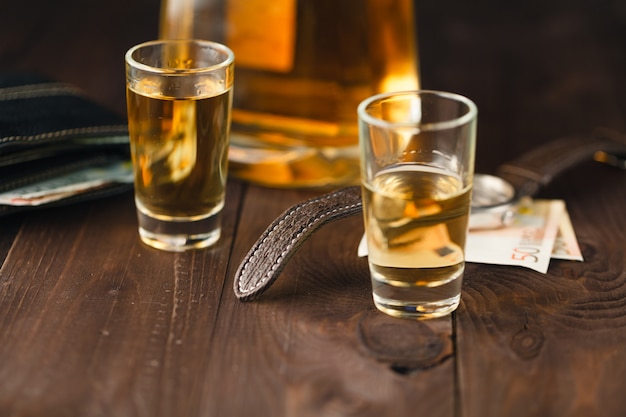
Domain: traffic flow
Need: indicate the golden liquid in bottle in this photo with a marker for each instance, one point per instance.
(302, 68)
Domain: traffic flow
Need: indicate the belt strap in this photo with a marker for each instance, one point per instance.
(282, 239)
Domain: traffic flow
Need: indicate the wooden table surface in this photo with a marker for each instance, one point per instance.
(93, 323)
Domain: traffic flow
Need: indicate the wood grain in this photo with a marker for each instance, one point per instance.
(316, 336)
(93, 323)
(532, 334)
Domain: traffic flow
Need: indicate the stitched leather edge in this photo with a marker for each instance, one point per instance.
(282, 239)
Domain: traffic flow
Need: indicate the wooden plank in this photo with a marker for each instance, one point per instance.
(314, 343)
(141, 333)
(95, 323)
(555, 344)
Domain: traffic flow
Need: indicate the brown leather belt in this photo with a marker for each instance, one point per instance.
(282, 239)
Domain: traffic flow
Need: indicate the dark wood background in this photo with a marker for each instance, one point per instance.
(92, 323)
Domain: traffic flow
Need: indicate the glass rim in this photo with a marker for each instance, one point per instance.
(470, 115)
(229, 59)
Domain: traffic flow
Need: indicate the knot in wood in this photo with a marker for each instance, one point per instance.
(527, 343)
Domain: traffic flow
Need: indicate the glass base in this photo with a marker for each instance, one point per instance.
(425, 310)
(429, 293)
(179, 235)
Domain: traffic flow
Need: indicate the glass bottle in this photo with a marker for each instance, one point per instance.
(302, 67)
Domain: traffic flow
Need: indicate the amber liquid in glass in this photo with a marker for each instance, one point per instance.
(416, 222)
(179, 148)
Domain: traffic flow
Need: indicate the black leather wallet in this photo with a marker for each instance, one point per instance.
(51, 129)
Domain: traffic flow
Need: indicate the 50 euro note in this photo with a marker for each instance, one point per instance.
(541, 231)
(566, 245)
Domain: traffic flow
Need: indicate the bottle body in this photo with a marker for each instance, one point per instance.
(302, 68)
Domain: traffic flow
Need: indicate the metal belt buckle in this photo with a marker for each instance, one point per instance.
(493, 202)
